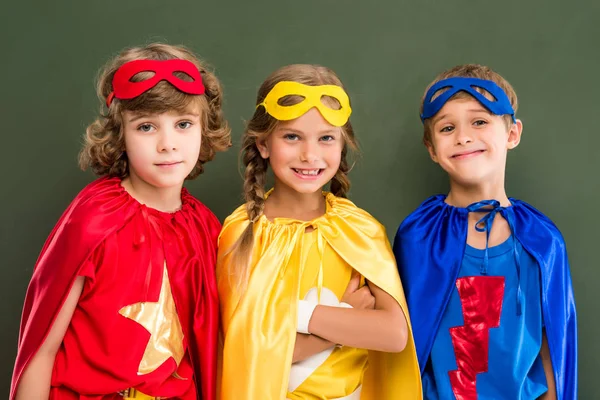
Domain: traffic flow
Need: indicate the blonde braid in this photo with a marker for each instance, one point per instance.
(254, 193)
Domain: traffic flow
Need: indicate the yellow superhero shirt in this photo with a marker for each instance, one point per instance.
(337, 372)
(259, 328)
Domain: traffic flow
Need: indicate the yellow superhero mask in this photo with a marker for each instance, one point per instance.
(312, 98)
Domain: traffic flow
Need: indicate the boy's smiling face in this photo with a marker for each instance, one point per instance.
(470, 143)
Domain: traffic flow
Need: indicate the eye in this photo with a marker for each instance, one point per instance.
(291, 136)
(145, 128)
(447, 129)
(184, 125)
(327, 138)
(480, 122)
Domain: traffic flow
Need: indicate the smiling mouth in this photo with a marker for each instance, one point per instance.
(468, 154)
(168, 164)
(308, 173)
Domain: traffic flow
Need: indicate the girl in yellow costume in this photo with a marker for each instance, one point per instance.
(312, 306)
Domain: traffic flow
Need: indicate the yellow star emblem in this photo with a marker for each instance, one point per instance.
(162, 321)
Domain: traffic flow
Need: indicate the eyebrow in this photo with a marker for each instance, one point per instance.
(323, 132)
(146, 115)
(328, 131)
(190, 114)
(441, 117)
(138, 116)
(438, 118)
(481, 109)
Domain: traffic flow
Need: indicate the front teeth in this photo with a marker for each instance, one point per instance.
(311, 172)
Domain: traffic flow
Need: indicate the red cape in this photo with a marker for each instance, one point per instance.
(98, 211)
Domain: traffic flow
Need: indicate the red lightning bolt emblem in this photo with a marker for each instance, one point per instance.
(481, 298)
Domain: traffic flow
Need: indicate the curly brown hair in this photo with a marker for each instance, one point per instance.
(469, 71)
(104, 144)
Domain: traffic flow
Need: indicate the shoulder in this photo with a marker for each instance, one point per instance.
(99, 210)
(347, 212)
(102, 202)
(234, 225)
(427, 210)
(529, 216)
(99, 192)
(206, 218)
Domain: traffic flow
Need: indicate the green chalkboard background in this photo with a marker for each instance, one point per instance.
(385, 51)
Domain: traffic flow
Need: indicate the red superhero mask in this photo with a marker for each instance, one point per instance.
(125, 89)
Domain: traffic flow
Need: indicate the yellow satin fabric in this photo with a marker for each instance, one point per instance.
(137, 395)
(342, 372)
(259, 328)
(161, 320)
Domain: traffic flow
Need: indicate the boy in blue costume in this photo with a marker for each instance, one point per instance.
(486, 277)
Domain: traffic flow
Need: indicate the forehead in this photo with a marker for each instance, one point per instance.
(460, 105)
(164, 98)
(192, 109)
(310, 123)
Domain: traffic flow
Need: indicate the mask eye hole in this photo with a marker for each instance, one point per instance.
(290, 100)
(439, 92)
(485, 93)
(183, 76)
(330, 102)
(142, 76)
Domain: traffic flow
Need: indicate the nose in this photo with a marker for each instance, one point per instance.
(463, 135)
(167, 140)
(309, 153)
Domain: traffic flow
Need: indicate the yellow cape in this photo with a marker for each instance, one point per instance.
(259, 329)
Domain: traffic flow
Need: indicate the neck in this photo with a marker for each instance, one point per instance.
(287, 203)
(162, 199)
(461, 195)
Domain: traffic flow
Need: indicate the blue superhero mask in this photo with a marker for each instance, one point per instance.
(500, 106)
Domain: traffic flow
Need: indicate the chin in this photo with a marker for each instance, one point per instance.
(305, 189)
(166, 183)
(469, 180)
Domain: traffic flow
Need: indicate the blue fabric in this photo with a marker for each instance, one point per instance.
(515, 365)
(500, 106)
(429, 248)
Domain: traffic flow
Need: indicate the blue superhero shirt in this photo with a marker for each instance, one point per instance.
(504, 345)
(430, 248)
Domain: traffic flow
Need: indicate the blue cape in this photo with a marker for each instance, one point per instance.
(429, 248)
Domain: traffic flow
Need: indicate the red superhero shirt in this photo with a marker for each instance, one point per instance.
(148, 314)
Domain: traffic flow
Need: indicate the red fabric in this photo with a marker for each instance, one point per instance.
(124, 88)
(481, 298)
(112, 239)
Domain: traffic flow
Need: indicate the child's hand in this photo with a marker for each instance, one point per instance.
(358, 297)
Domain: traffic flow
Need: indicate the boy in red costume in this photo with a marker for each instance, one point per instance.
(123, 301)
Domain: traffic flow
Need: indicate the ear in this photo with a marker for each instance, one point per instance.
(431, 151)
(263, 148)
(514, 134)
